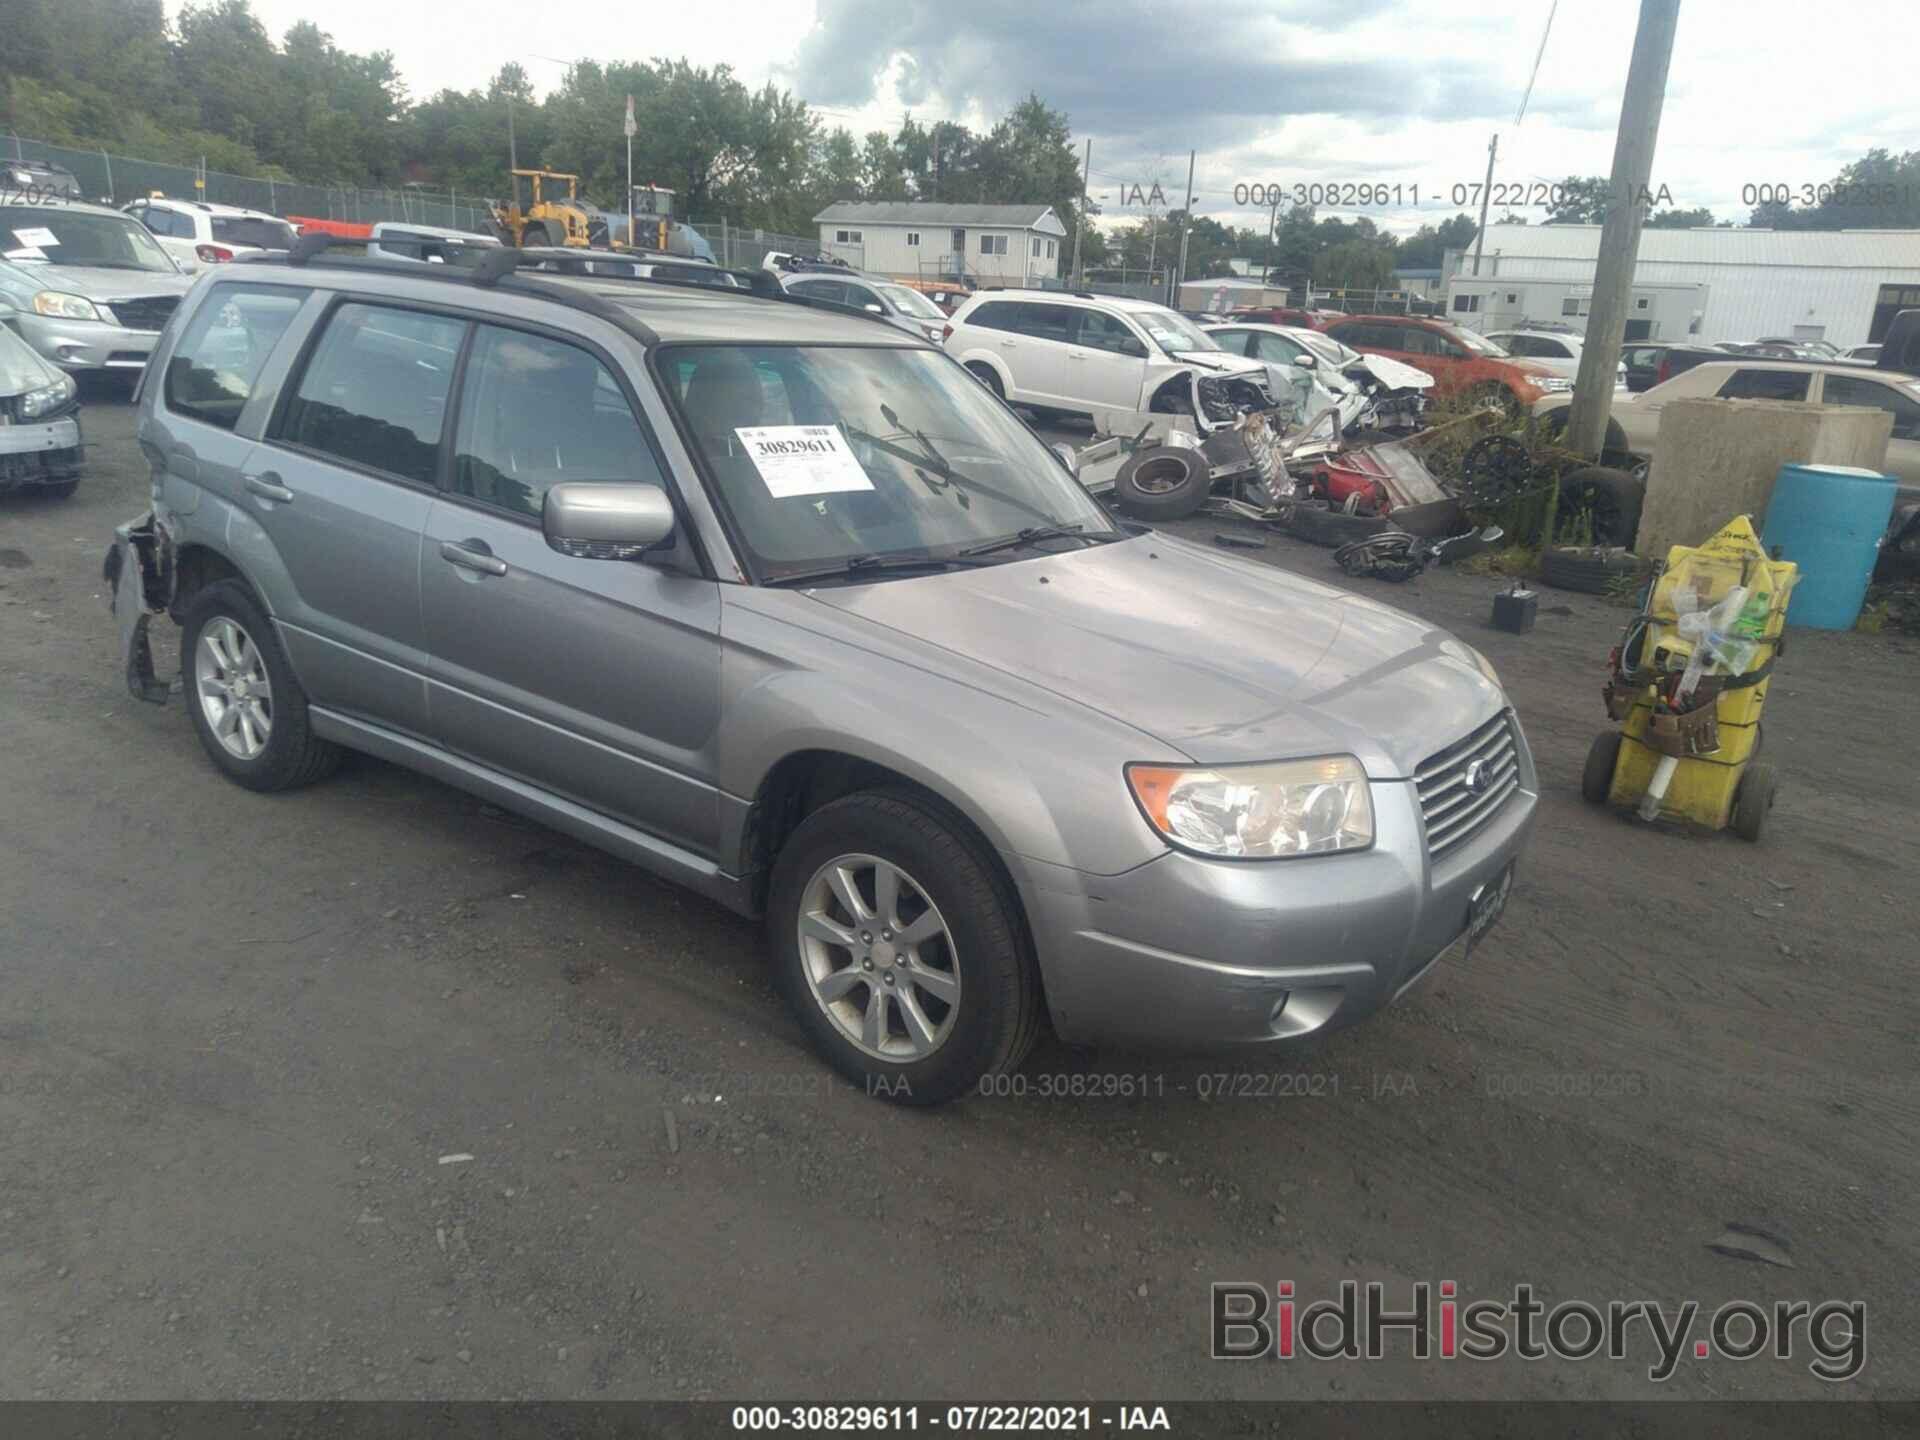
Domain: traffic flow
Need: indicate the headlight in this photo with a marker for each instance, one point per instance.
(1259, 812)
(1552, 382)
(66, 307)
(47, 399)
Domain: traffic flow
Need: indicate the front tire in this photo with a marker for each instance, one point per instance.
(900, 948)
(246, 706)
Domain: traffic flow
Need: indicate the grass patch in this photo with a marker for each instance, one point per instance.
(1512, 561)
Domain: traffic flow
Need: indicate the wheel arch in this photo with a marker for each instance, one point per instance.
(803, 780)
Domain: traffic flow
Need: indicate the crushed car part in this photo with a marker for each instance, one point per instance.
(1335, 527)
(1399, 557)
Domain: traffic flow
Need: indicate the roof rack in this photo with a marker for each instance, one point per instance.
(504, 263)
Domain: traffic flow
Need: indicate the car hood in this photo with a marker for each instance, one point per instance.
(1223, 659)
(1219, 361)
(21, 369)
(101, 283)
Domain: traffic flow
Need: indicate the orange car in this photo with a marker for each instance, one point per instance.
(1461, 362)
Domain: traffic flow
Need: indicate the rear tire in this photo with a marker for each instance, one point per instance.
(1165, 483)
(1596, 781)
(242, 698)
(986, 376)
(60, 489)
(831, 962)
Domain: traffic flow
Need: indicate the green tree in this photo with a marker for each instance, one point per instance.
(1679, 219)
(1583, 200)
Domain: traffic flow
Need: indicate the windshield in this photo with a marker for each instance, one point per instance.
(1479, 344)
(1325, 347)
(249, 230)
(75, 237)
(1171, 330)
(912, 302)
(820, 454)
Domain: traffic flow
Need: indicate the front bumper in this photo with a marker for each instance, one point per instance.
(86, 344)
(1186, 953)
(39, 453)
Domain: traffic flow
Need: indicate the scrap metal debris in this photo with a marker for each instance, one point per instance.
(1749, 1242)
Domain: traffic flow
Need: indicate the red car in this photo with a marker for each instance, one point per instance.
(1461, 362)
(1288, 315)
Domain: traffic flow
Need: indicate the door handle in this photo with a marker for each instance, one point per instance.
(472, 555)
(1009, 345)
(1076, 354)
(268, 486)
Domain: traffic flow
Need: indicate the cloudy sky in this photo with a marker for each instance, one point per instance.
(1400, 92)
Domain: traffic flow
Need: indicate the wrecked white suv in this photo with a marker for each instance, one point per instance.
(1084, 354)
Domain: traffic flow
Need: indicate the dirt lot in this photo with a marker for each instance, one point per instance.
(242, 1036)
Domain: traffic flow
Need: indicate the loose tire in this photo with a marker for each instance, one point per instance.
(1335, 527)
(1553, 425)
(1613, 497)
(1165, 483)
(1588, 571)
(60, 489)
(986, 376)
(1596, 781)
(245, 704)
(1753, 800)
(900, 948)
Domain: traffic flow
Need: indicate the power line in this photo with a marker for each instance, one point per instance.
(1545, 31)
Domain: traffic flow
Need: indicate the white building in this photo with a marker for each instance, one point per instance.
(1841, 286)
(997, 245)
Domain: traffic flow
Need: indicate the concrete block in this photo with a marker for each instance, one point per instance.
(1715, 459)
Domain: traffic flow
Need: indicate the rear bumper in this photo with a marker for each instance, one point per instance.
(1186, 953)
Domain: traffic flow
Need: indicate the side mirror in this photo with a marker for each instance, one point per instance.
(1064, 453)
(1132, 347)
(1305, 361)
(874, 307)
(606, 522)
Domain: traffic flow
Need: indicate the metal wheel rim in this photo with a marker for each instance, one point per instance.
(236, 697)
(879, 958)
(1159, 476)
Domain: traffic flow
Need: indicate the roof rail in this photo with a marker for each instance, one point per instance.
(504, 263)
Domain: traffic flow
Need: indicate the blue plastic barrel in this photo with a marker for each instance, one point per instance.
(1828, 520)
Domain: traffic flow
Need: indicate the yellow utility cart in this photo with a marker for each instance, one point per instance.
(1689, 680)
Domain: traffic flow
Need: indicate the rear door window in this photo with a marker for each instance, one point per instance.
(994, 315)
(212, 371)
(1765, 385)
(374, 392)
(1044, 322)
(832, 291)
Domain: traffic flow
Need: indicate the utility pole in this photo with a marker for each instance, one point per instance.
(1486, 194)
(513, 152)
(1620, 235)
(1186, 225)
(1086, 170)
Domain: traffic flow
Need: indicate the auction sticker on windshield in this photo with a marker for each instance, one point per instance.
(36, 235)
(802, 459)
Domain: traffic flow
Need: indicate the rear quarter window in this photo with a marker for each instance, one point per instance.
(212, 371)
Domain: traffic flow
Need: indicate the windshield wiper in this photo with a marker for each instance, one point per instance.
(858, 565)
(1037, 532)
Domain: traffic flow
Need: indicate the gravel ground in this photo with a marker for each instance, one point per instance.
(372, 1090)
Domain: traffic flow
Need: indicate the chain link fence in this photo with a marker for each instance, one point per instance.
(743, 247)
(117, 179)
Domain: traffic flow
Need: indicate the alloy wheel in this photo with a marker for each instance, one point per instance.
(235, 694)
(878, 957)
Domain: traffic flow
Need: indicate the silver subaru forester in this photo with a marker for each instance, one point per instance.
(783, 605)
